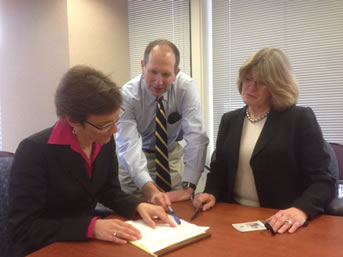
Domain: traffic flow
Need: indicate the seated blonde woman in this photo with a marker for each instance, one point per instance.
(270, 153)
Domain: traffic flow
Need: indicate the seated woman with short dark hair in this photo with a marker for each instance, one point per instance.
(59, 174)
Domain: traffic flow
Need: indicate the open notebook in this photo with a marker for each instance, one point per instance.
(164, 238)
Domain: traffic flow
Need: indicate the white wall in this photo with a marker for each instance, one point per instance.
(98, 36)
(33, 57)
(39, 41)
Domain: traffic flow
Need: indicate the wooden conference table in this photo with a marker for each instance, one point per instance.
(323, 237)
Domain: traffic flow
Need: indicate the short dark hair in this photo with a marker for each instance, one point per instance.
(83, 91)
(154, 43)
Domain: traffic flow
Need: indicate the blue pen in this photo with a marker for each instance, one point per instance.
(175, 217)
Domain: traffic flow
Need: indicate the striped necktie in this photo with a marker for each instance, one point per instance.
(163, 181)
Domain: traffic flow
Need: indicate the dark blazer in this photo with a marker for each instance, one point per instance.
(51, 196)
(289, 161)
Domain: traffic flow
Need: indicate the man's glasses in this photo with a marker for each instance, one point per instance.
(107, 127)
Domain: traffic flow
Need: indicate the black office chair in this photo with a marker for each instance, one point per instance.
(6, 159)
(336, 205)
(6, 154)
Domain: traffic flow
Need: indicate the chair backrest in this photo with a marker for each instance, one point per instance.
(338, 148)
(6, 154)
(5, 240)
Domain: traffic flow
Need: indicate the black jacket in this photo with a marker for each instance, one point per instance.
(51, 196)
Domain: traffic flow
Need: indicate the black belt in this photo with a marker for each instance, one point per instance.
(149, 151)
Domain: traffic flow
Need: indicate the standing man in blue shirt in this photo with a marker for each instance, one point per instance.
(161, 77)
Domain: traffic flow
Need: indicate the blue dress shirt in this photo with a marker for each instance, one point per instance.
(136, 129)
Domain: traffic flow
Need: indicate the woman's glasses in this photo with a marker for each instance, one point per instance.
(249, 82)
(107, 127)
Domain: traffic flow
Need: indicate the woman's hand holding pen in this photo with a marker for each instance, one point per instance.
(206, 200)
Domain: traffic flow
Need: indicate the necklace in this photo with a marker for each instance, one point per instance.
(257, 119)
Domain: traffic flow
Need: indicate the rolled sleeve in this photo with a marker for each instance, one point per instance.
(129, 140)
(194, 134)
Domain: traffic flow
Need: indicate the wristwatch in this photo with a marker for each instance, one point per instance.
(188, 184)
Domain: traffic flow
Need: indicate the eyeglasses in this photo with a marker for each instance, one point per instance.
(250, 82)
(107, 127)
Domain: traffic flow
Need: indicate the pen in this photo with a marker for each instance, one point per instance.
(197, 212)
(175, 217)
(269, 227)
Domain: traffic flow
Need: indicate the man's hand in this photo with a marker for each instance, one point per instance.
(161, 199)
(153, 195)
(180, 194)
(150, 212)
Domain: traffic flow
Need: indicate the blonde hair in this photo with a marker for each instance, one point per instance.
(272, 68)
